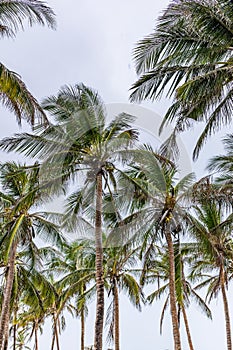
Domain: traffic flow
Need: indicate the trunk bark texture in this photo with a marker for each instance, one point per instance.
(53, 341)
(116, 318)
(172, 291)
(99, 267)
(56, 333)
(187, 328)
(36, 336)
(226, 309)
(14, 337)
(82, 330)
(5, 313)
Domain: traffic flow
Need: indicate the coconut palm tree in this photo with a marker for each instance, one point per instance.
(212, 228)
(189, 57)
(14, 93)
(80, 142)
(156, 200)
(184, 289)
(120, 270)
(76, 284)
(32, 295)
(20, 225)
(35, 301)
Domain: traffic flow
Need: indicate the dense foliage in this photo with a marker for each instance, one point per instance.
(128, 225)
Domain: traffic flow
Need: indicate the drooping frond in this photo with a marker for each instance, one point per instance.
(15, 96)
(14, 14)
(189, 57)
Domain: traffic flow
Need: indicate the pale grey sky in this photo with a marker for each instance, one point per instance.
(93, 44)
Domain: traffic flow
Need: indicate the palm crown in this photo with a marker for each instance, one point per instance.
(189, 55)
(13, 92)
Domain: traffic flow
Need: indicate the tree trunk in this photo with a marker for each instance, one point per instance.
(116, 318)
(187, 328)
(172, 291)
(53, 341)
(14, 336)
(82, 329)
(6, 340)
(5, 313)
(55, 333)
(36, 335)
(99, 266)
(226, 308)
(57, 339)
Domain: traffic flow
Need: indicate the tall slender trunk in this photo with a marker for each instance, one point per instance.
(57, 338)
(14, 336)
(6, 340)
(5, 313)
(172, 290)
(53, 341)
(116, 318)
(82, 329)
(226, 308)
(187, 328)
(99, 266)
(36, 336)
(56, 333)
(15, 324)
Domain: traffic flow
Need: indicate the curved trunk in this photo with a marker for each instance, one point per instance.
(82, 330)
(226, 308)
(187, 328)
(5, 313)
(172, 291)
(116, 318)
(99, 321)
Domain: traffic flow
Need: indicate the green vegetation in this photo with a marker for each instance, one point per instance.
(136, 229)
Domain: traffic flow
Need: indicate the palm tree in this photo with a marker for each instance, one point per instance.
(119, 265)
(19, 225)
(184, 291)
(80, 142)
(36, 293)
(120, 268)
(156, 201)
(76, 285)
(189, 57)
(14, 93)
(32, 294)
(212, 229)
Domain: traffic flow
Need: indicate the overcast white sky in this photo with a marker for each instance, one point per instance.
(93, 44)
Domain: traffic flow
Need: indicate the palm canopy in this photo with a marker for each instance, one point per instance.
(184, 290)
(153, 196)
(13, 15)
(189, 56)
(19, 196)
(19, 225)
(223, 164)
(213, 230)
(13, 92)
(78, 141)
